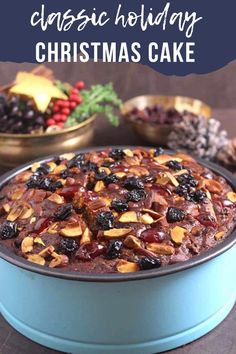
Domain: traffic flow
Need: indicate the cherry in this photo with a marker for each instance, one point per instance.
(207, 220)
(69, 192)
(152, 235)
(80, 85)
(65, 111)
(51, 122)
(89, 251)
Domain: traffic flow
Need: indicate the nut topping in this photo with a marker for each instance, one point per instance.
(132, 242)
(163, 159)
(129, 216)
(86, 237)
(27, 244)
(178, 234)
(232, 197)
(116, 233)
(72, 230)
(127, 267)
(56, 198)
(35, 258)
(161, 249)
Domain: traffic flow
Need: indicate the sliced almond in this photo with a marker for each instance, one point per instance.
(172, 179)
(47, 251)
(6, 207)
(162, 159)
(178, 234)
(51, 229)
(24, 176)
(128, 152)
(56, 198)
(147, 219)
(213, 186)
(32, 220)
(26, 213)
(139, 171)
(105, 169)
(52, 166)
(127, 267)
(72, 230)
(107, 201)
(35, 166)
(129, 216)
(153, 213)
(86, 237)
(59, 169)
(39, 241)
(161, 249)
(219, 235)
(15, 213)
(208, 194)
(120, 174)
(59, 260)
(232, 197)
(27, 244)
(99, 186)
(116, 232)
(17, 194)
(162, 179)
(35, 258)
(69, 156)
(132, 242)
(179, 173)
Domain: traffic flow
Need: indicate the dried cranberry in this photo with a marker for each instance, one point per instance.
(207, 220)
(152, 235)
(69, 192)
(42, 224)
(8, 230)
(174, 214)
(114, 249)
(149, 263)
(89, 251)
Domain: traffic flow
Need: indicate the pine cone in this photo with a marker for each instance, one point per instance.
(227, 156)
(199, 136)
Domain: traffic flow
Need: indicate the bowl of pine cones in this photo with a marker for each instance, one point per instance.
(152, 117)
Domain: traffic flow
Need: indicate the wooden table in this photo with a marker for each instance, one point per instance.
(222, 340)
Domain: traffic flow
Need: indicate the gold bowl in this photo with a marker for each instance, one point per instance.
(158, 133)
(16, 149)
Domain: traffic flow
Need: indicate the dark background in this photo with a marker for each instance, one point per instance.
(218, 89)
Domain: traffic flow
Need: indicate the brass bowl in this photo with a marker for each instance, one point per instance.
(158, 133)
(16, 149)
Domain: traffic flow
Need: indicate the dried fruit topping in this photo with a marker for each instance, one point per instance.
(158, 151)
(127, 267)
(114, 249)
(112, 178)
(117, 154)
(105, 220)
(232, 197)
(198, 197)
(174, 215)
(135, 195)
(174, 165)
(187, 180)
(207, 220)
(8, 230)
(177, 234)
(153, 235)
(89, 251)
(115, 233)
(71, 230)
(63, 212)
(119, 205)
(133, 183)
(146, 263)
(68, 245)
(182, 190)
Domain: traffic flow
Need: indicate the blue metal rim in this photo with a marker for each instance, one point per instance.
(228, 243)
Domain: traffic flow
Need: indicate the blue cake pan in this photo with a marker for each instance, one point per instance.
(137, 313)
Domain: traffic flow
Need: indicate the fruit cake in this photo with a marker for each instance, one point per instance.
(115, 210)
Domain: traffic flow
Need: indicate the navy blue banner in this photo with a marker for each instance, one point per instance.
(173, 37)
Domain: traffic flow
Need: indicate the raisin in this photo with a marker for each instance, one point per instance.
(174, 165)
(119, 205)
(158, 151)
(33, 182)
(149, 263)
(114, 249)
(174, 215)
(8, 230)
(136, 195)
(133, 183)
(44, 169)
(63, 212)
(111, 179)
(64, 174)
(182, 190)
(57, 160)
(77, 161)
(100, 176)
(187, 179)
(149, 179)
(197, 197)
(116, 154)
(68, 245)
(105, 220)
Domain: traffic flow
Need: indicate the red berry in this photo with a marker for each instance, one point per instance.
(73, 97)
(56, 109)
(78, 99)
(61, 125)
(57, 117)
(73, 105)
(60, 103)
(51, 122)
(65, 104)
(64, 117)
(75, 91)
(80, 85)
(66, 111)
